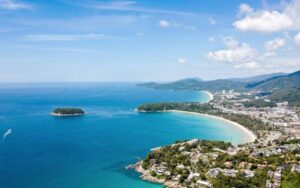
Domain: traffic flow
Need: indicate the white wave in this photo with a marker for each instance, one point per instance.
(9, 131)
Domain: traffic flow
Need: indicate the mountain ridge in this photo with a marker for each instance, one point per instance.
(282, 86)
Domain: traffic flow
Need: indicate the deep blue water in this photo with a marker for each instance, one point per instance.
(90, 151)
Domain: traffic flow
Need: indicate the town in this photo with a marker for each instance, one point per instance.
(271, 161)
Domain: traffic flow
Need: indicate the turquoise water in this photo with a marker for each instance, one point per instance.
(90, 151)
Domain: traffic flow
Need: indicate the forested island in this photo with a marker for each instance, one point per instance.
(68, 112)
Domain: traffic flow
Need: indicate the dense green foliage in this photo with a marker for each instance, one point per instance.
(289, 81)
(292, 141)
(260, 82)
(283, 88)
(172, 155)
(259, 78)
(260, 103)
(251, 123)
(290, 95)
(193, 107)
(68, 111)
(240, 181)
(290, 180)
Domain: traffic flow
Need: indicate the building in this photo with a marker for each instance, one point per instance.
(249, 173)
(295, 168)
(203, 183)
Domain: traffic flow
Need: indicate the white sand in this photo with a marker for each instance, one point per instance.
(210, 95)
(250, 135)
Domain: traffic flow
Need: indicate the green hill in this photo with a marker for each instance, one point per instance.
(292, 96)
(280, 86)
(196, 84)
(290, 81)
(258, 78)
(283, 88)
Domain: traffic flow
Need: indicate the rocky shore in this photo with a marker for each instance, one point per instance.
(145, 175)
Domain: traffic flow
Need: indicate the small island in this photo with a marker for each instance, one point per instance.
(67, 112)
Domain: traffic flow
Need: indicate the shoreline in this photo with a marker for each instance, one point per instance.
(65, 115)
(250, 135)
(210, 95)
(145, 175)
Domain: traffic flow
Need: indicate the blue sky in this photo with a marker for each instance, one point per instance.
(153, 40)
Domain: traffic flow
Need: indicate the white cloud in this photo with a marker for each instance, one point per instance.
(267, 54)
(275, 44)
(293, 11)
(249, 65)
(297, 38)
(14, 5)
(235, 53)
(245, 9)
(64, 37)
(182, 61)
(285, 17)
(211, 39)
(164, 24)
(230, 42)
(264, 22)
(173, 24)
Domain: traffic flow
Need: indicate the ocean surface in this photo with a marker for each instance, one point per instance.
(90, 151)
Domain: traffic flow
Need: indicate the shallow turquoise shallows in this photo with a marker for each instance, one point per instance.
(90, 151)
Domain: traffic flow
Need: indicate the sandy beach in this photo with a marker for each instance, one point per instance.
(210, 95)
(250, 135)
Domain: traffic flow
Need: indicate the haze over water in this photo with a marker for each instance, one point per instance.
(90, 151)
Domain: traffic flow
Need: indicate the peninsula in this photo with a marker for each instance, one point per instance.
(68, 112)
(270, 156)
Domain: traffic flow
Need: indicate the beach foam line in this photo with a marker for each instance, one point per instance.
(250, 135)
(9, 131)
(210, 95)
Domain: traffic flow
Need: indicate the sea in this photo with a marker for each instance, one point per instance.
(38, 150)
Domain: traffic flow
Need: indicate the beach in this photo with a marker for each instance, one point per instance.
(210, 95)
(250, 135)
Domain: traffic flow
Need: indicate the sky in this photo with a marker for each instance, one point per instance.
(146, 40)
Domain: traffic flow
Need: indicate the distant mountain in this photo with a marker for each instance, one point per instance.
(280, 86)
(292, 96)
(198, 84)
(287, 82)
(214, 85)
(258, 78)
(192, 79)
